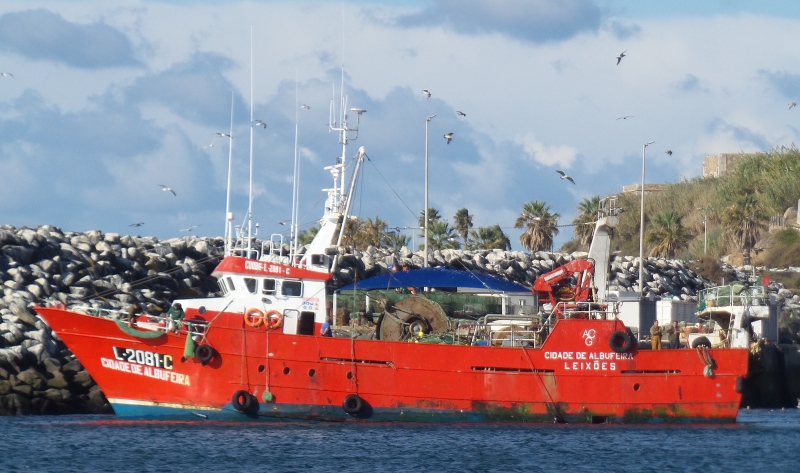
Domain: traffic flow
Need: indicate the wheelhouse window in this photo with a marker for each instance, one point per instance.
(226, 285)
(268, 288)
(292, 288)
(251, 284)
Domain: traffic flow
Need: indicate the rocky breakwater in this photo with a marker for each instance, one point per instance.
(38, 374)
(44, 265)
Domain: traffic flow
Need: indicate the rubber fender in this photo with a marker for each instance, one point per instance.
(620, 341)
(242, 401)
(352, 404)
(701, 342)
(205, 353)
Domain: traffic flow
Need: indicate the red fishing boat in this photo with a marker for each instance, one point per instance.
(256, 352)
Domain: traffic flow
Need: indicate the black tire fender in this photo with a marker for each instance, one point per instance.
(620, 341)
(205, 353)
(701, 342)
(352, 404)
(242, 401)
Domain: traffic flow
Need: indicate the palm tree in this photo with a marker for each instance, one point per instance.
(463, 222)
(396, 240)
(587, 215)
(442, 236)
(539, 224)
(667, 234)
(306, 236)
(433, 216)
(488, 238)
(744, 220)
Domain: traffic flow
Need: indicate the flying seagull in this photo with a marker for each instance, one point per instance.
(669, 152)
(260, 123)
(461, 113)
(625, 117)
(6, 74)
(284, 222)
(792, 105)
(224, 135)
(621, 55)
(564, 176)
(188, 229)
(449, 137)
(137, 224)
(305, 107)
(167, 189)
(425, 91)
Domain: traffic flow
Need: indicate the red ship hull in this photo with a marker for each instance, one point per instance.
(261, 374)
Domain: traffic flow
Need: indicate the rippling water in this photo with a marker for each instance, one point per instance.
(763, 440)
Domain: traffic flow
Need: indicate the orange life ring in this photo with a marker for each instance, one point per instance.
(254, 317)
(274, 319)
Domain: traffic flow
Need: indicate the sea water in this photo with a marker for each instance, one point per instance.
(763, 441)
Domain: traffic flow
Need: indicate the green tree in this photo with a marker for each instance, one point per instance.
(442, 236)
(667, 235)
(433, 216)
(488, 238)
(462, 223)
(306, 236)
(587, 214)
(744, 220)
(396, 240)
(539, 225)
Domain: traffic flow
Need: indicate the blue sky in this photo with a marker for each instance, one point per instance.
(110, 100)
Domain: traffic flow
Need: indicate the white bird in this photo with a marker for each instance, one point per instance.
(564, 176)
(621, 55)
(167, 189)
(188, 229)
(260, 123)
(461, 113)
(425, 91)
(6, 74)
(305, 107)
(137, 224)
(224, 135)
(792, 105)
(449, 137)
(669, 152)
(625, 117)
(284, 222)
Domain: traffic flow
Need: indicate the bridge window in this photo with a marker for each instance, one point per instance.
(292, 288)
(251, 283)
(268, 288)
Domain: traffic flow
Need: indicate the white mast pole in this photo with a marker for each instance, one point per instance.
(293, 228)
(250, 203)
(228, 213)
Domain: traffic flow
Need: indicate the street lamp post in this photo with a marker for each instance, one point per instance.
(705, 227)
(641, 226)
(425, 247)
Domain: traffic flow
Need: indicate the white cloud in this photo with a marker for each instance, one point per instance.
(548, 155)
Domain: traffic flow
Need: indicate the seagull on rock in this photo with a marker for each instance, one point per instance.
(167, 189)
(426, 92)
(461, 113)
(449, 137)
(621, 55)
(565, 176)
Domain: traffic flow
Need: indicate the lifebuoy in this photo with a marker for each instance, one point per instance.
(254, 317)
(352, 404)
(243, 401)
(274, 319)
(620, 341)
(204, 353)
(701, 342)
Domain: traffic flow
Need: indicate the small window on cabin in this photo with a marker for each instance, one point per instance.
(269, 287)
(222, 288)
(230, 285)
(292, 288)
(251, 284)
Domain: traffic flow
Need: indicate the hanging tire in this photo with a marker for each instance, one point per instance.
(243, 401)
(204, 354)
(620, 342)
(352, 404)
(701, 342)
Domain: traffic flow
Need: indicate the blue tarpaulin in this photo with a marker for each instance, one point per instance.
(435, 278)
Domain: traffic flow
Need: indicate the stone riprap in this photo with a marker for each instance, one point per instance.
(43, 265)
